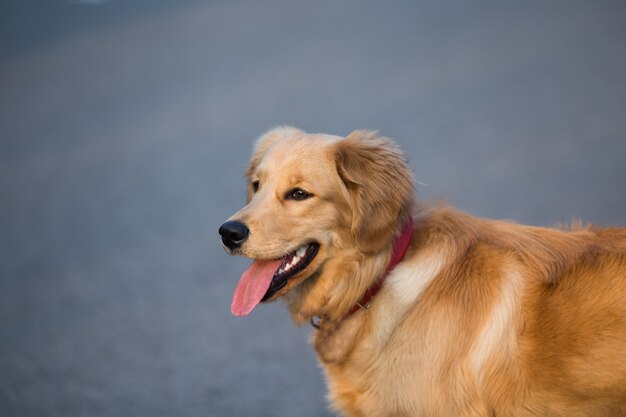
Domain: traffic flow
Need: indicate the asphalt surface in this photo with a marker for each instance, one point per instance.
(125, 128)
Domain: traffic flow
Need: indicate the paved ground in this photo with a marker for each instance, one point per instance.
(125, 128)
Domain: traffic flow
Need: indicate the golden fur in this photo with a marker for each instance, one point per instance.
(481, 318)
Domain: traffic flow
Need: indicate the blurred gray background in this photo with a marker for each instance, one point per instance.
(125, 127)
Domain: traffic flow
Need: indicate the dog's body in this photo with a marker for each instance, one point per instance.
(480, 318)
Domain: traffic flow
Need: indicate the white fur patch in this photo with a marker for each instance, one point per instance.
(403, 287)
(499, 330)
(409, 279)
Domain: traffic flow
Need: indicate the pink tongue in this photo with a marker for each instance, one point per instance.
(252, 286)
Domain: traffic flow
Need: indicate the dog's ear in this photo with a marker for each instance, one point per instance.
(265, 142)
(379, 185)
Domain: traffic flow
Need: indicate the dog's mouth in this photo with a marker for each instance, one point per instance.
(264, 279)
(291, 265)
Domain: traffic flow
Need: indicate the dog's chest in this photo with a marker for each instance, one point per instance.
(370, 384)
(367, 378)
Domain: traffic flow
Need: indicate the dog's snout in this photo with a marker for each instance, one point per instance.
(234, 233)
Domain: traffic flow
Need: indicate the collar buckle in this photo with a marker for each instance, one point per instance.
(316, 322)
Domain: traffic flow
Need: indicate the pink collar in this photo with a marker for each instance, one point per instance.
(400, 246)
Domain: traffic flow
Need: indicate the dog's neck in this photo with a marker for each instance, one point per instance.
(334, 339)
(400, 246)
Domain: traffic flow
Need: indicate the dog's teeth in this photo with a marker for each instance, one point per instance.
(295, 259)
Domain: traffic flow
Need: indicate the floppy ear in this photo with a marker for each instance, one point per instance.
(262, 145)
(379, 184)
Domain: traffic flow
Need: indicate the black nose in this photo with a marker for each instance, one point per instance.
(234, 234)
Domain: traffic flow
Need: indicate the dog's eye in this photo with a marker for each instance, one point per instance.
(297, 194)
(255, 186)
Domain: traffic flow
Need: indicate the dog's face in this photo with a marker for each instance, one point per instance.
(313, 199)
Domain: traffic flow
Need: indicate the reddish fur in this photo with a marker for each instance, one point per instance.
(511, 320)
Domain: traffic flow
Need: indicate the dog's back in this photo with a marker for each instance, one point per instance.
(574, 342)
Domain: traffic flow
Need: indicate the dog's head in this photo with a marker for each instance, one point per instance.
(318, 206)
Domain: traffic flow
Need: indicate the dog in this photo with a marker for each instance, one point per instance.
(424, 310)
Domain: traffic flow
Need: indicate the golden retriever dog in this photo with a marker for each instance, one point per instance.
(427, 311)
